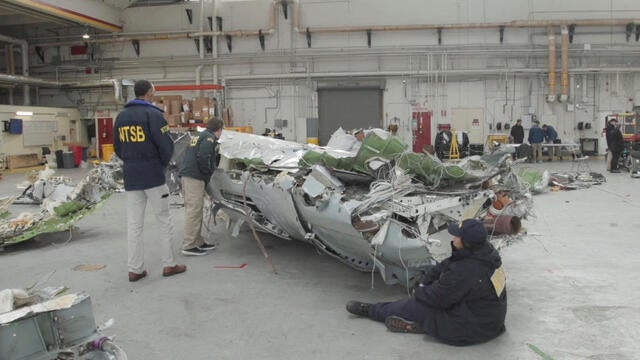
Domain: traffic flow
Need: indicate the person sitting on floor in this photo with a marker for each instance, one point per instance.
(461, 301)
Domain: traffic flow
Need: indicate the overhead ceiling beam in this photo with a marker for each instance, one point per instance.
(92, 13)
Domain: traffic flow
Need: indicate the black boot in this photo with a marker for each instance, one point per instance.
(358, 308)
(398, 324)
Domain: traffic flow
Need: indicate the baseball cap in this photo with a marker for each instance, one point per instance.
(470, 231)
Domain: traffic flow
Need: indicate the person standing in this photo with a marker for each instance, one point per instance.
(550, 136)
(615, 143)
(517, 132)
(536, 137)
(142, 142)
(199, 163)
(461, 301)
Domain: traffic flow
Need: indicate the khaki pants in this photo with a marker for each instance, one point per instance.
(158, 197)
(193, 203)
(536, 149)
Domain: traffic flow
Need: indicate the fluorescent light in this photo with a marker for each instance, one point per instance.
(24, 113)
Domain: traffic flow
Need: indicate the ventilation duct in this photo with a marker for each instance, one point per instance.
(564, 54)
(551, 96)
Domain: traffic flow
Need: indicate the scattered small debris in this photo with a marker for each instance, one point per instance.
(539, 352)
(89, 267)
(242, 266)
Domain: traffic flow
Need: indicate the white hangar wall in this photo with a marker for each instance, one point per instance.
(470, 69)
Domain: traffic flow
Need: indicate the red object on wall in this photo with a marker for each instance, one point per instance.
(79, 50)
(105, 133)
(421, 125)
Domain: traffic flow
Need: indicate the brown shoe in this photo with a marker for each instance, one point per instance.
(173, 270)
(135, 277)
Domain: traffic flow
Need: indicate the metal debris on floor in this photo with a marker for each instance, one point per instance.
(46, 324)
(89, 267)
(61, 204)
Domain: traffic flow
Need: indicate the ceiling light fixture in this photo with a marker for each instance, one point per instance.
(86, 35)
(24, 113)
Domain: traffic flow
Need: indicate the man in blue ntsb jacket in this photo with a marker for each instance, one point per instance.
(142, 142)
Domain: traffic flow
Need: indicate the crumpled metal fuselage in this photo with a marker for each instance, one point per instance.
(368, 222)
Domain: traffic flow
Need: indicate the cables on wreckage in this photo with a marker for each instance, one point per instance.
(248, 211)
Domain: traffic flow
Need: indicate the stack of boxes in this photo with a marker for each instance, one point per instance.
(181, 112)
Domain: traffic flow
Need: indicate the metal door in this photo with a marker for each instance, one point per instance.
(421, 127)
(349, 109)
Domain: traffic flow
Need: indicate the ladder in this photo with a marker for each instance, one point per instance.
(454, 152)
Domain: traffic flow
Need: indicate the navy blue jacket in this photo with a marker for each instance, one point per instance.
(551, 134)
(200, 158)
(536, 135)
(464, 307)
(141, 140)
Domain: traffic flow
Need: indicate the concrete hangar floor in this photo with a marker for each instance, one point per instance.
(572, 285)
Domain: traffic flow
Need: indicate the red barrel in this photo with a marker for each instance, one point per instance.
(77, 154)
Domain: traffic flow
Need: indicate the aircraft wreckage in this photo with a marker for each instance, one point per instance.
(373, 209)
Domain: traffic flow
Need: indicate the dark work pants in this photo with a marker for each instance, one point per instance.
(615, 159)
(409, 309)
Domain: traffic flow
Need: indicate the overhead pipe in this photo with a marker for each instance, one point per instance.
(24, 80)
(24, 54)
(214, 45)
(11, 66)
(114, 83)
(188, 87)
(201, 48)
(420, 73)
(564, 53)
(484, 25)
(551, 96)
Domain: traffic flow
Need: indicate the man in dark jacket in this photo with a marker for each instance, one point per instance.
(536, 138)
(460, 301)
(517, 132)
(199, 163)
(615, 143)
(142, 142)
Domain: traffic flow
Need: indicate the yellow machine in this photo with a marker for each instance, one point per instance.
(454, 151)
(496, 138)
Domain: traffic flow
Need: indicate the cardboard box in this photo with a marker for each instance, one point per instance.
(170, 104)
(173, 119)
(185, 117)
(186, 105)
(201, 108)
(21, 161)
(159, 102)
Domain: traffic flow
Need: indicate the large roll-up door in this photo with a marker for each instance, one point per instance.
(348, 108)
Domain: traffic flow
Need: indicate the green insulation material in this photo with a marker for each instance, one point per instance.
(68, 208)
(375, 146)
(54, 224)
(312, 157)
(532, 177)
